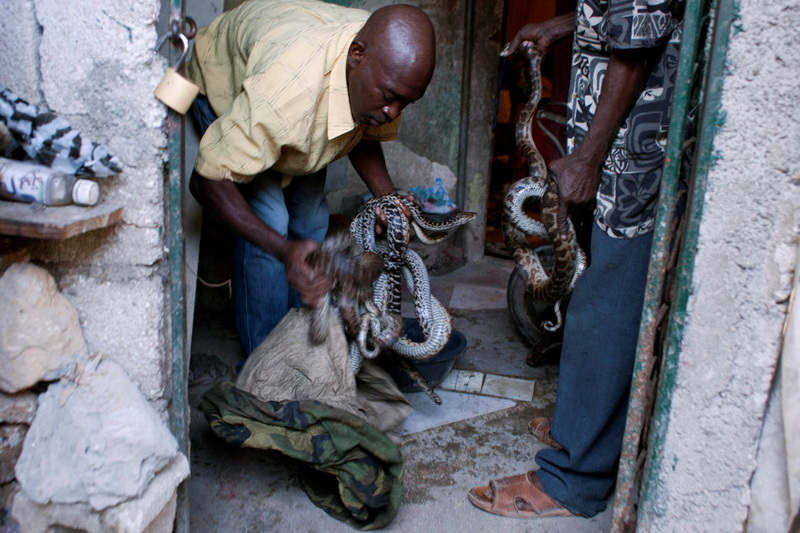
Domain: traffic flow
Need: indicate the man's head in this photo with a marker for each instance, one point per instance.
(390, 63)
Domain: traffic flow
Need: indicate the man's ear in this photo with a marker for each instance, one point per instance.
(355, 54)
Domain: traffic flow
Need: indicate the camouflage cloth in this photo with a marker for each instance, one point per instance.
(356, 472)
(51, 141)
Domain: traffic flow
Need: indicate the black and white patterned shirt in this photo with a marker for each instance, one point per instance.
(628, 192)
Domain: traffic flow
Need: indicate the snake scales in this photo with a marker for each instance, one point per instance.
(368, 273)
(570, 260)
(402, 264)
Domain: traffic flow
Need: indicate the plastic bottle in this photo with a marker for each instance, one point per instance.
(29, 182)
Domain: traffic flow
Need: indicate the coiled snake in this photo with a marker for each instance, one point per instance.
(570, 261)
(368, 273)
(403, 264)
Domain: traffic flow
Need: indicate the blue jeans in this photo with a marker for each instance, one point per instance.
(600, 337)
(262, 296)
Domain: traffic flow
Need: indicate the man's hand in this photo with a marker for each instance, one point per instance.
(578, 175)
(224, 200)
(382, 221)
(542, 34)
(311, 284)
(578, 178)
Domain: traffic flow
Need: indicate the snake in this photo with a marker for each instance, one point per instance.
(402, 264)
(541, 187)
(352, 272)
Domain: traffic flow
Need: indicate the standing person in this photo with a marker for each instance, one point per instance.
(287, 87)
(623, 76)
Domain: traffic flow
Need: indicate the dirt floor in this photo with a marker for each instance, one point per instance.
(478, 433)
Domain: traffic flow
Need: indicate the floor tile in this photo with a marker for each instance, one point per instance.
(506, 387)
(463, 381)
(455, 406)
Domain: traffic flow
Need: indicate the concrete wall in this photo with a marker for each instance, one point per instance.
(739, 291)
(430, 134)
(92, 63)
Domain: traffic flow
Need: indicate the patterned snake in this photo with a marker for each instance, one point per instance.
(570, 260)
(352, 271)
(400, 263)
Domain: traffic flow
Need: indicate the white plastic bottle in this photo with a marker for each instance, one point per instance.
(29, 182)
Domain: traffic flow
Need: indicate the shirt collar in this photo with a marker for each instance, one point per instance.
(340, 116)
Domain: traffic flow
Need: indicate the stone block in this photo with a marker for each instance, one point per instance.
(39, 329)
(152, 512)
(94, 440)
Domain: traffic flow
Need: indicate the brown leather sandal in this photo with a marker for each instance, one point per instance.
(520, 496)
(540, 427)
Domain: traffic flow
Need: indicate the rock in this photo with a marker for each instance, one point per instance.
(153, 512)
(39, 329)
(11, 438)
(95, 441)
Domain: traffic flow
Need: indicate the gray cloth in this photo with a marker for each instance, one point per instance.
(288, 366)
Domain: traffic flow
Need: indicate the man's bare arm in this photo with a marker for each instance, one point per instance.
(225, 202)
(578, 174)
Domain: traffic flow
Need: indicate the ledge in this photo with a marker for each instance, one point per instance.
(36, 221)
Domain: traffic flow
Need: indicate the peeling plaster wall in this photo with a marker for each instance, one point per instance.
(431, 127)
(91, 62)
(482, 109)
(748, 239)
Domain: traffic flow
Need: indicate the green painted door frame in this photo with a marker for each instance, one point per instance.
(695, 119)
(174, 179)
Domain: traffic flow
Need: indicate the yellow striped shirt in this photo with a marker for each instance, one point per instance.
(274, 73)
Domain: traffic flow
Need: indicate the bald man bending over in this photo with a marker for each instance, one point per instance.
(287, 87)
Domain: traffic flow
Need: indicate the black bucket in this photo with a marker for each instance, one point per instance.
(434, 370)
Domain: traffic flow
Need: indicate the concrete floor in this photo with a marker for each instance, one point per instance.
(478, 433)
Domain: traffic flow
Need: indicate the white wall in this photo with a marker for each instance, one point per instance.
(743, 274)
(92, 63)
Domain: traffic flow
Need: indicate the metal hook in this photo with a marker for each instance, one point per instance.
(189, 28)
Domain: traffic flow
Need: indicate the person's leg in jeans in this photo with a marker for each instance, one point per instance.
(260, 289)
(262, 294)
(202, 114)
(600, 337)
(308, 213)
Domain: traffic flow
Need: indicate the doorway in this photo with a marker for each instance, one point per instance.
(513, 91)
